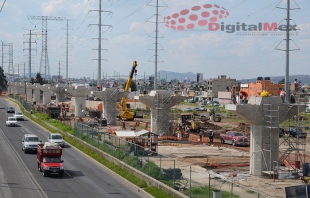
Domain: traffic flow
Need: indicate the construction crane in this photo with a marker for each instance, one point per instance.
(125, 112)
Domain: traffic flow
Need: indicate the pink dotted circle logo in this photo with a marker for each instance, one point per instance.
(197, 16)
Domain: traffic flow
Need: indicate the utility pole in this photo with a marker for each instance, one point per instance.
(156, 43)
(29, 42)
(11, 67)
(2, 56)
(44, 65)
(287, 51)
(99, 42)
(59, 72)
(67, 55)
(25, 80)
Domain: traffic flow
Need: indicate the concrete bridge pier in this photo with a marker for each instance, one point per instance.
(160, 102)
(29, 91)
(46, 93)
(110, 96)
(36, 92)
(79, 94)
(265, 114)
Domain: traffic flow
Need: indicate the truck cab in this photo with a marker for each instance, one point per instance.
(49, 159)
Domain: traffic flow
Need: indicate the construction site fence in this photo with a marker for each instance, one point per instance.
(22, 101)
(192, 181)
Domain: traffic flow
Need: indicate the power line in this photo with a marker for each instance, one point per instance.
(2, 5)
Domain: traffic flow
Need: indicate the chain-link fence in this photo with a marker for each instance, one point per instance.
(22, 101)
(192, 181)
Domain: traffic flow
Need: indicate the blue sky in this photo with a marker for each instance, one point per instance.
(131, 37)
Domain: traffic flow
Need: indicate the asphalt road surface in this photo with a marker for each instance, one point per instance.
(83, 177)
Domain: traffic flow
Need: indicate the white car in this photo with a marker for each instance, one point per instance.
(56, 138)
(11, 121)
(30, 142)
(19, 116)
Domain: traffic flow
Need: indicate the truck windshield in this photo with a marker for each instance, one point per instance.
(52, 159)
(58, 137)
(32, 139)
(238, 134)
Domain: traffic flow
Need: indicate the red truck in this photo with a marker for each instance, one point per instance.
(49, 159)
(235, 138)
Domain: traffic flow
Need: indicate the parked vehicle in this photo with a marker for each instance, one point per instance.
(56, 138)
(187, 109)
(10, 110)
(11, 121)
(296, 132)
(30, 143)
(235, 138)
(202, 108)
(49, 159)
(196, 109)
(19, 116)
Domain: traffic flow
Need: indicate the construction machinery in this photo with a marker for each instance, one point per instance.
(187, 120)
(124, 111)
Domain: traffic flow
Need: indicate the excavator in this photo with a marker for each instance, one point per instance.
(124, 110)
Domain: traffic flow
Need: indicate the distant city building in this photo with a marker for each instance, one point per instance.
(215, 85)
(56, 78)
(254, 89)
(199, 77)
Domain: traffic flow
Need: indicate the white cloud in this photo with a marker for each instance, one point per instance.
(52, 6)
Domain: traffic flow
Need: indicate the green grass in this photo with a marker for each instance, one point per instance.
(156, 193)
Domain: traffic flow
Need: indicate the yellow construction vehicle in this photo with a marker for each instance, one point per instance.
(187, 120)
(124, 111)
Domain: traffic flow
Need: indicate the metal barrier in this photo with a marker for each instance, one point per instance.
(192, 181)
(22, 101)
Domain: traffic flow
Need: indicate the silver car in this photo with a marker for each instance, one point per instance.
(56, 138)
(19, 116)
(30, 143)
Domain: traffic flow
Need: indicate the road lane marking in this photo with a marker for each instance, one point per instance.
(23, 165)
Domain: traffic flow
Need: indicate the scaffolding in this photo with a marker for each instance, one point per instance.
(289, 149)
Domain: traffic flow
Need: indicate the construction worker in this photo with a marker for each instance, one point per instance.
(211, 134)
(200, 135)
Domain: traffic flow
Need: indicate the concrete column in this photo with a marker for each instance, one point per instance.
(36, 92)
(79, 94)
(29, 94)
(46, 93)
(110, 96)
(46, 97)
(60, 91)
(264, 140)
(160, 102)
(21, 88)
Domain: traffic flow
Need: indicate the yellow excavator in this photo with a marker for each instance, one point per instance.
(124, 110)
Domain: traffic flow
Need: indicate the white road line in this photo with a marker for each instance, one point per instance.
(23, 165)
(23, 131)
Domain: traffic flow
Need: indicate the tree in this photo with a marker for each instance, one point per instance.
(40, 80)
(3, 81)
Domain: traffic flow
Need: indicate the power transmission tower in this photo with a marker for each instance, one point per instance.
(156, 42)
(10, 66)
(99, 43)
(29, 42)
(44, 65)
(287, 49)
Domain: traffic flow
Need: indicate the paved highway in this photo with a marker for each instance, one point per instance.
(83, 177)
